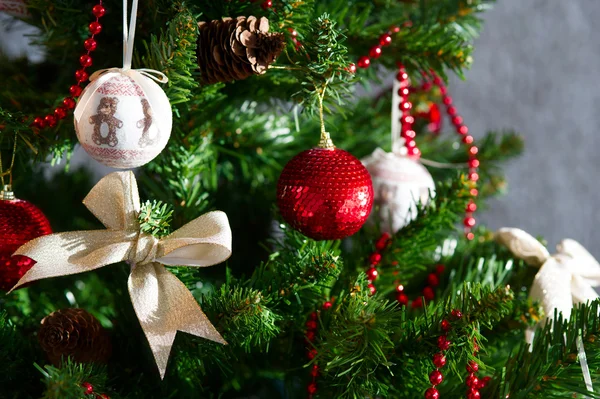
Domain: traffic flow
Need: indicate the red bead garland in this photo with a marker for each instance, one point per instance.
(88, 389)
(311, 333)
(81, 75)
(463, 130)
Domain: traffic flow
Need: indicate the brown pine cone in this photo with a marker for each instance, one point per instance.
(234, 49)
(75, 333)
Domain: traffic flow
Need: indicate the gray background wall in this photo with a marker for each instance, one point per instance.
(536, 68)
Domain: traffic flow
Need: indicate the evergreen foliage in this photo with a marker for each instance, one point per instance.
(228, 145)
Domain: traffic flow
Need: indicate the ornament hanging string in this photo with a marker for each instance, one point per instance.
(128, 39)
(8, 173)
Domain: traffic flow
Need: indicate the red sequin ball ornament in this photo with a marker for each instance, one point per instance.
(325, 193)
(20, 222)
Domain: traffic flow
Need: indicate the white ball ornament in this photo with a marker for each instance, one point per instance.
(123, 118)
(399, 183)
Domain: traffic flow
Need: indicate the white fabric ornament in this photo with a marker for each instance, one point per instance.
(399, 183)
(565, 279)
(123, 119)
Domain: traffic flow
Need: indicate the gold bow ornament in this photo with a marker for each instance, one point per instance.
(564, 279)
(161, 301)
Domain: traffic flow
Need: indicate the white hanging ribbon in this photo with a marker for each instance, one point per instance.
(128, 38)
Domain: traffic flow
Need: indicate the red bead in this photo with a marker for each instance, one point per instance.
(413, 152)
(462, 130)
(473, 176)
(375, 52)
(312, 388)
(75, 90)
(382, 243)
(104, 396)
(472, 381)
(60, 112)
(311, 325)
(443, 343)
(372, 289)
(375, 258)
(85, 60)
(401, 76)
(363, 62)
(81, 75)
(471, 207)
(372, 274)
(428, 293)
(457, 120)
(439, 269)
(451, 111)
(473, 394)
(88, 388)
(50, 120)
(472, 367)
(417, 303)
(90, 44)
(439, 360)
(69, 103)
(267, 4)
(457, 314)
(484, 381)
(403, 91)
(473, 163)
(447, 100)
(409, 134)
(395, 29)
(470, 236)
(473, 192)
(467, 139)
(95, 28)
(406, 105)
(473, 150)
(326, 194)
(293, 32)
(436, 377)
(385, 39)
(351, 68)
(469, 221)
(98, 10)
(445, 325)
(475, 349)
(410, 144)
(432, 393)
(400, 288)
(433, 280)
(314, 316)
(315, 370)
(39, 122)
(312, 354)
(402, 299)
(327, 305)
(310, 336)
(407, 119)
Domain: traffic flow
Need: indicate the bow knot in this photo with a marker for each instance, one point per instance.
(144, 250)
(161, 302)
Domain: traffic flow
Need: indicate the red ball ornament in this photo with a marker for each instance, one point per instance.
(326, 194)
(439, 360)
(20, 222)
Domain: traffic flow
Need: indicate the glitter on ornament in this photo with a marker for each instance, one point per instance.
(399, 182)
(325, 193)
(20, 222)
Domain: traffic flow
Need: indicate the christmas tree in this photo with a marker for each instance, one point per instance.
(245, 127)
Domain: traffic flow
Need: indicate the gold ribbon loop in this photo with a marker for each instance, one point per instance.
(162, 303)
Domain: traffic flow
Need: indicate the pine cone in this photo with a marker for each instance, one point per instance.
(234, 49)
(75, 333)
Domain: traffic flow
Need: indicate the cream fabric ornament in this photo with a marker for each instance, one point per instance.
(123, 118)
(565, 279)
(162, 303)
(399, 183)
